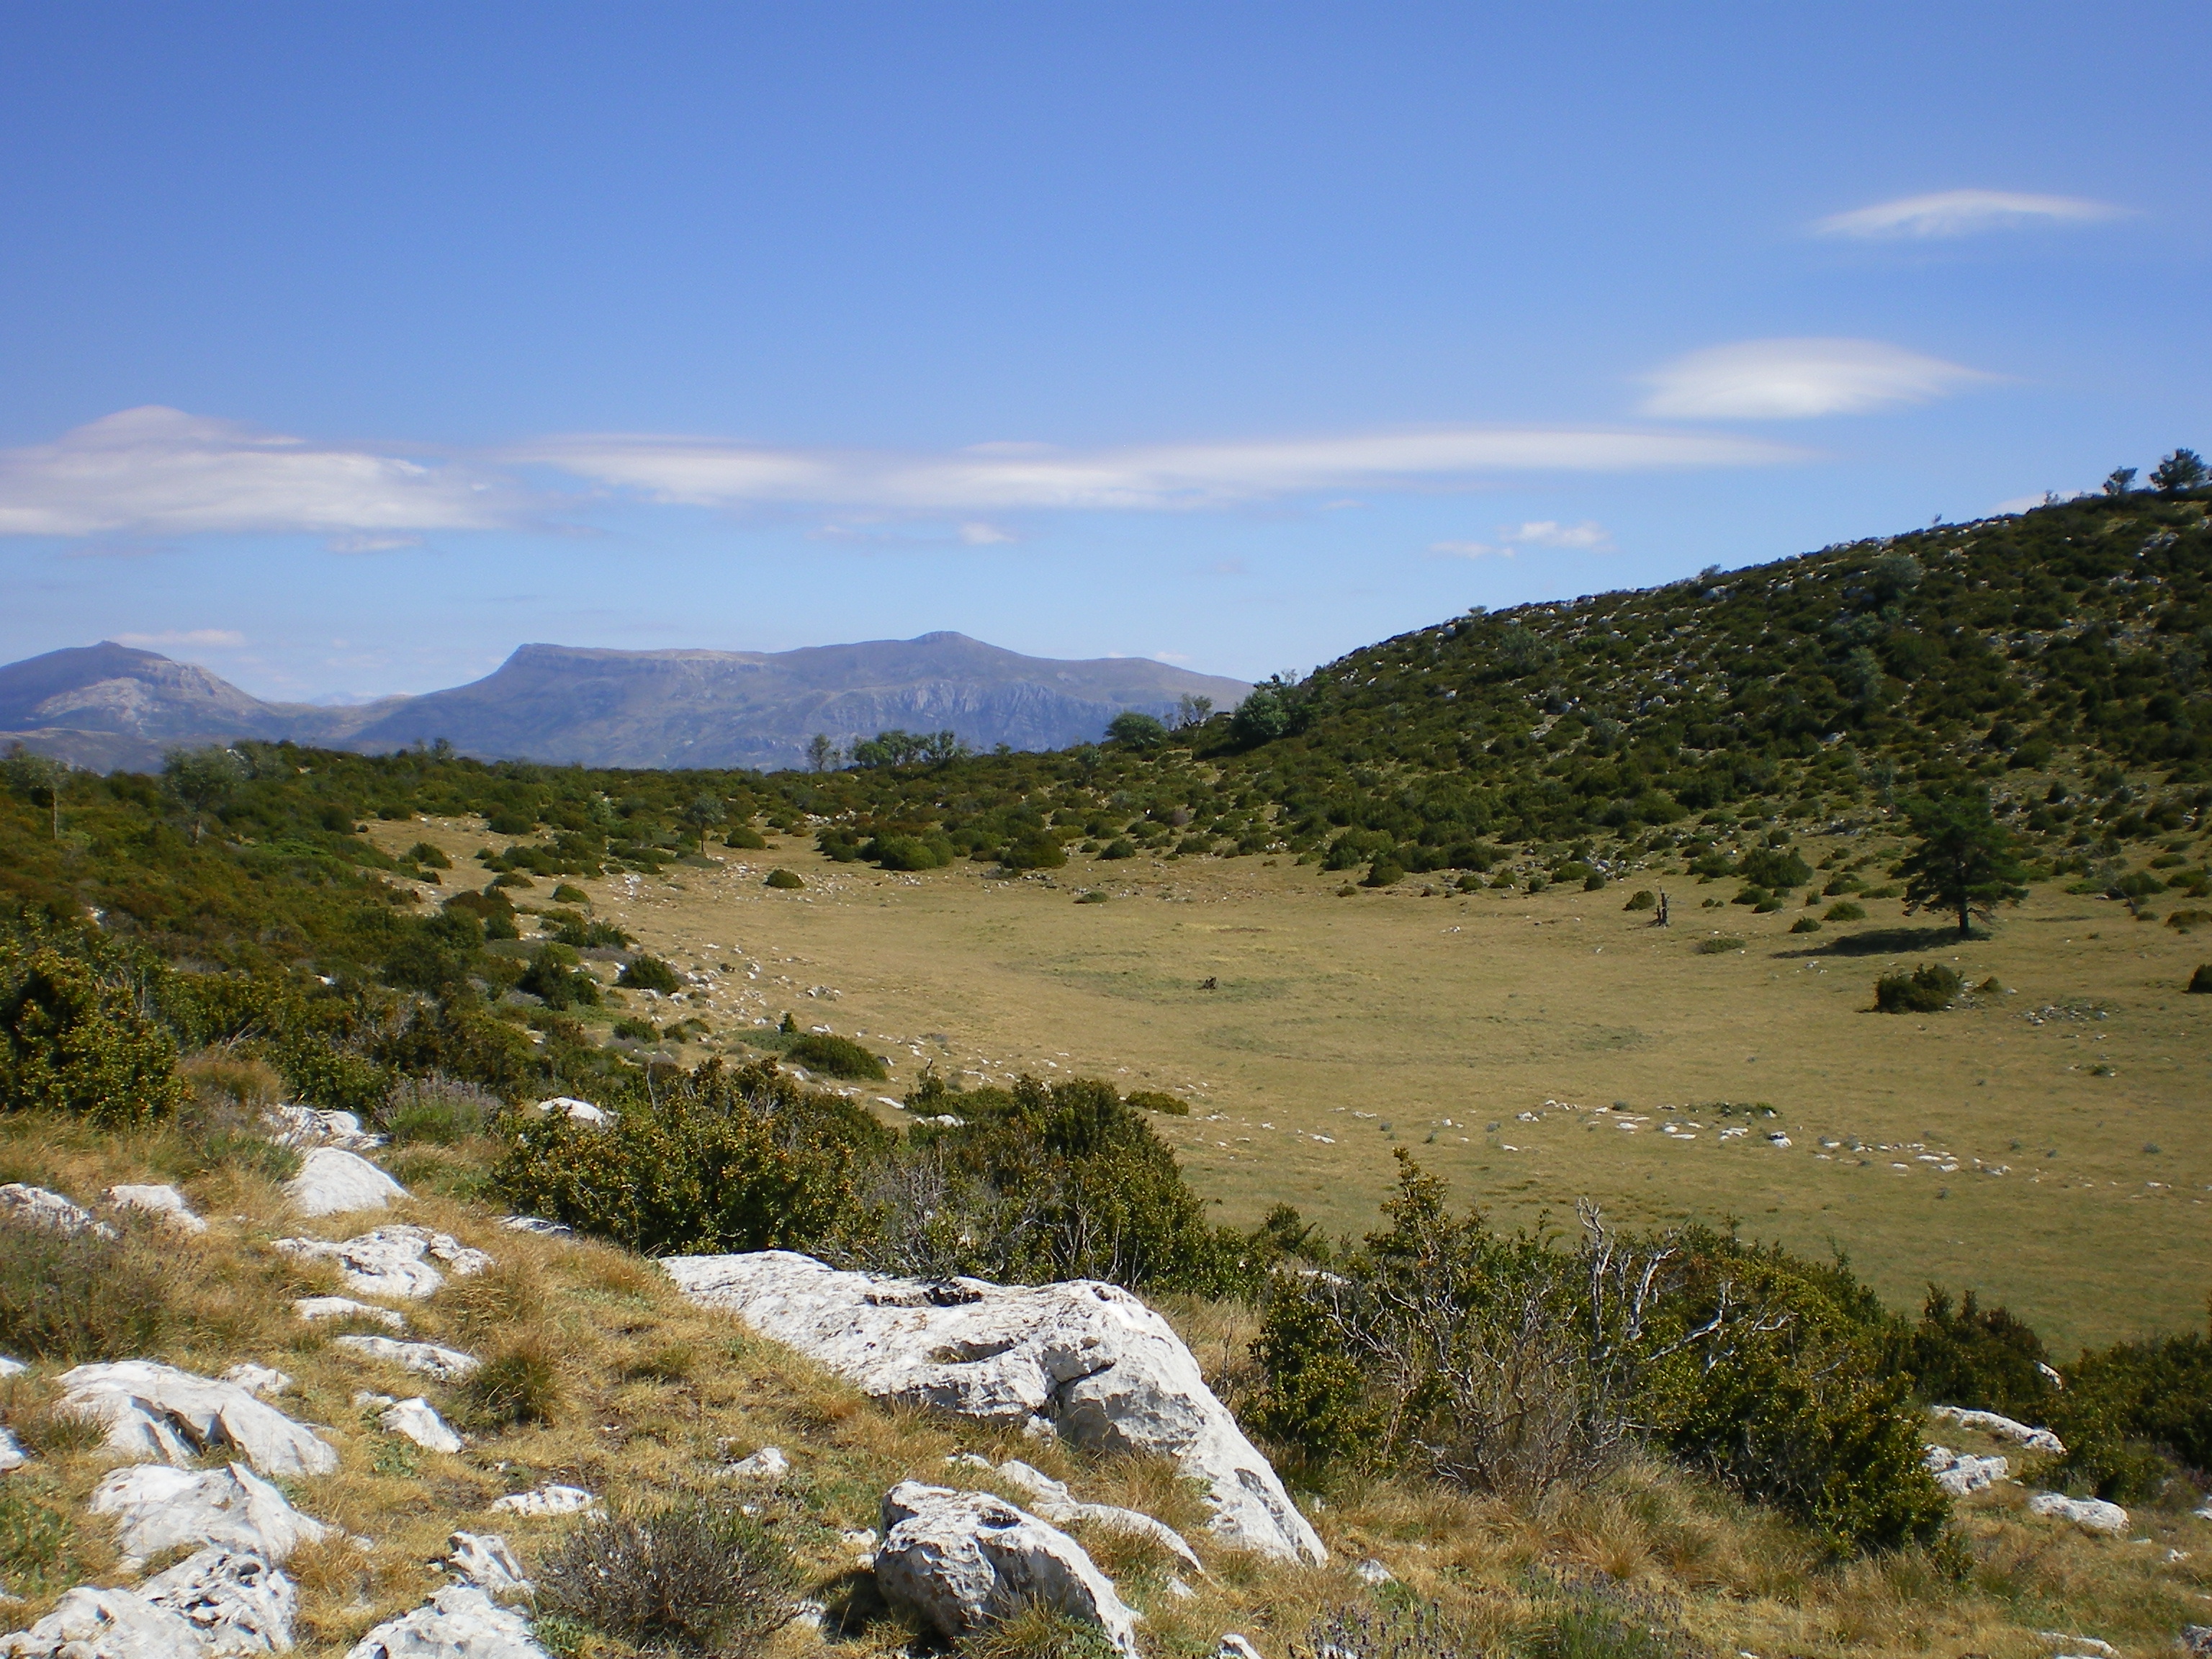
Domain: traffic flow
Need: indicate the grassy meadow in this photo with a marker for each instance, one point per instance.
(1535, 1049)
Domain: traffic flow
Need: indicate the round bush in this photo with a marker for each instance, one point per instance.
(650, 973)
(1805, 925)
(1156, 1100)
(1120, 848)
(835, 1056)
(2201, 980)
(700, 1576)
(782, 880)
(1641, 899)
(1928, 990)
(1844, 911)
(1719, 944)
(745, 835)
(1034, 851)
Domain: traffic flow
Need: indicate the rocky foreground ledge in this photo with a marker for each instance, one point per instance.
(1085, 1360)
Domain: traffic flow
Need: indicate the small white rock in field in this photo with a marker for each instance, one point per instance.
(769, 1464)
(482, 1558)
(416, 1419)
(545, 1500)
(446, 1365)
(166, 1202)
(332, 1182)
(2092, 1514)
(40, 1208)
(156, 1412)
(344, 1307)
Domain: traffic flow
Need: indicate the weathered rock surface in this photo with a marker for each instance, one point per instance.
(416, 1419)
(577, 1111)
(538, 1225)
(344, 1307)
(1962, 1473)
(36, 1207)
(2092, 1514)
(166, 1202)
(446, 1365)
(545, 1500)
(769, 1464)
(10, 1367)
(236, 1601)
(1234, 1646)
(304, 1126)
(483, 1559)
(160, 1508)
(1091, 1359)
(459, 1622)
(262, 1382)
(89, 1623)
(392, 1261)
(155, 1411)
(2001, 1428)
(1052, 1500)
(961, 1559)
(12, 1455)
(332, 1182)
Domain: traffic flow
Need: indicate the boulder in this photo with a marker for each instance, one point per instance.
(262, 1382)
(344, 1307)
(1962, 1473)
(89, 1623)
(575, 1110)
(2000, 1428)
(963, 1559)
(769, 1464)
(305, 1126)
(12, 1455)
(332, 1182)
(1052, 1499)
(2091, 1514)
(11, 1366)
(458, 1622)
(156, 1412)
(538, 1225)
(418, 1420)
(1088, 1360)
(1234, 1646)
(234, 1600)
(391, 1262)
(160, 1508)
(483, 1559)
(35, 1206)
(446, 1365)
(166, 1202)
(545, 1500)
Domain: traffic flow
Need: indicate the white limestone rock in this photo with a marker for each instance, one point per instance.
(1089, 1359)
(235, 1600)
(394, 1262)
(154, 1412)
(1234, 1646)
(160, 1508)
(538, 1225)
(2001, 1428)
(35, 1206)
(12, 1455)
(961, 1559)
(2091, 1514)
(1372, 1573)
(545, 1500)
(166, 1202)
(344, 1307)
(769, 1464)
(459, 1622)
(575, 1110)
(90, 1623)
(482, 1558)
(416, 1419)
(262, 1382)
(446, 1365)
(11, 1366)
(305, 1127)
(332, 1182)
(1961, 1473)
(1052, 1499)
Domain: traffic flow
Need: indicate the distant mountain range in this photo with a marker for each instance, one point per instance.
(111, 708)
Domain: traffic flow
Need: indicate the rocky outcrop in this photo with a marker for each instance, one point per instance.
(2000, 1428)
(963, 1559)
(545, 1500)
(1052, 1500)
(12, 1455)
(35, 1206)
(2090, 1514)
(160, 1508)
(575, 1110)
(333, 1182)
(156, 1412)
(459, 1622)
(395, 1262)
(344, 1307)
(1961, 1473)
(217, 1601)
(446, 1365)
(305, 1126)
(483, 1559)
(1090, 1360)
(166, 1202)
(262, 1382)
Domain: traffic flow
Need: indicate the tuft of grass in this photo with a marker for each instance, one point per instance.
(1844, 910)
(1037, 1631)
(698, 1576)
(521, 1385)
(39, 1550)
(82, 1298)
(436, 1110)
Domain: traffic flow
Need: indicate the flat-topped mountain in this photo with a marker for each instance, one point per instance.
(108, 705)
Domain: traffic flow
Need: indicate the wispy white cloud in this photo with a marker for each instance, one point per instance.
(389, 541)
(156, 472)
(1007, 478)
(1587, 537)
(1790, 379)
(1963, 213)
(976, 532)
(1470, 551)
(224, 637)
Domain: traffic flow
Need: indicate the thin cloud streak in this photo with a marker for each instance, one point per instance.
(217, 638)
(1963, 213)
(1795, 379)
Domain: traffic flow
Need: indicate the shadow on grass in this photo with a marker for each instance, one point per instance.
(1887, 942)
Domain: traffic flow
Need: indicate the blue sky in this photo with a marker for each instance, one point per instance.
(344, 348)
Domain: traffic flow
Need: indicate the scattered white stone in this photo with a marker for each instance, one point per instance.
(155, 1411)
(1234, 1646)
(12, 1455)
(1179, 1591)
(305, 1127)
(1962, 1473)
(2197, 1639)
(962, 1559)
(332, 1182)
(10, 1367)
(1052, 1499)
(2092, 1514)
(166, 1202)
(2001, 1428)
(369, 1400)
(2087, 1644)
(160, 1508)
(967, 1460)
(2204, 1514)
(458, 1622)
(482, 1558)
(538, 1224)
(1372, 1573)
(391, 1262)
(344, 1307)
(1089, 1360)
(262, 1382)
(575, 1110)
(418, 1420)
(35, 1206)
(546, 1500)
(859, 1537)
(2050, 1375)
(1776, 1137)
(446, 1365)
(769, 1464)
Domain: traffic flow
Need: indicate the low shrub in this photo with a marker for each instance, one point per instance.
(568, 894)
(646, 973)
(1386, 1632)
(1592, 1616)
(1965, 1354)
(909, 851)
(1641, 899)
(1034, 851)
(80, 1297)
(1093, 896)
(438, 1111)
(782, 881)
(746, 837)
(1928, 990)
(1120, 848)
(836, 1057)
(75, 1035)
(1384, 872)
(556, 978)
(2200, 982)
(1719, 944)
(1156, 1100)
(1805, 925)
(430, 858)
(1843, 910)
(697, 1576)
(584, 933)
(2132, 1412)
(1594, 882)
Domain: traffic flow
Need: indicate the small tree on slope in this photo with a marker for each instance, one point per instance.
(1964, 863)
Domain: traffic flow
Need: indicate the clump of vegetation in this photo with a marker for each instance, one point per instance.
(1928, 990)
(521, 1385)
(836, 1057)
(745, 837)
(438, 1111)
(1843, 910)
(782, 880)
(1641, 899)
(698, 1576)
(1386, 1632)
(79, 1297)
(555, 977)
(1591, 1616)
(1805, 925)
(75, 1033)
(38, 1545)
(2200, 982)
(649, 973)
(1718, 944)
(1158, 1100)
